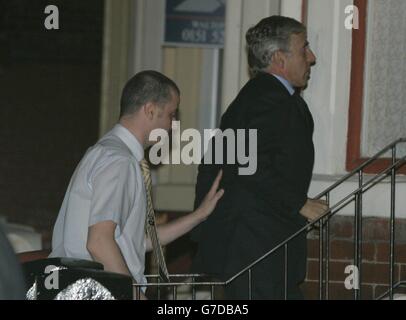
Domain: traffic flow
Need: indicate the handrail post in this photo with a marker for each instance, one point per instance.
(286, 271)
(392, 224)
(359, 246)
(175, 292)
(159, 288)
(327, 271)
(250, 284)
(193, 289)
(356, 243)
(321, 259)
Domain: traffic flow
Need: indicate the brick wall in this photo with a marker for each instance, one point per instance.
(49, 104)
(375, 258)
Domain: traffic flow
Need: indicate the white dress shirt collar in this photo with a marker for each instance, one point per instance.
(130, 141)
(286, 83)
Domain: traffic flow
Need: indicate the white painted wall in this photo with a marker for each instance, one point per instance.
(148, 24)
(328, 91)
(328, 100)
(292, 9)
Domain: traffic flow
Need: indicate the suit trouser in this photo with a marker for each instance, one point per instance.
(268, 277)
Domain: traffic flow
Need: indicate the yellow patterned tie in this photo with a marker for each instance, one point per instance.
(150, 223)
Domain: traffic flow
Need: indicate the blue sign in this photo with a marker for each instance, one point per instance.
(198, 23)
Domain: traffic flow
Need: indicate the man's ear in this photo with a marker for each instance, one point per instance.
(149, 110)
(278, 59)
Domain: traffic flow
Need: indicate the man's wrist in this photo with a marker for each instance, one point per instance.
(199, 215)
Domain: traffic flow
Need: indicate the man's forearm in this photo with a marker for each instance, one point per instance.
(177, 228)
(103, 248)
(107, 252)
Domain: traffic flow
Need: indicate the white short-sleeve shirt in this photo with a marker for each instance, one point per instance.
(107, 185)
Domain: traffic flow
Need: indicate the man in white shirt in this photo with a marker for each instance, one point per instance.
(103, 214)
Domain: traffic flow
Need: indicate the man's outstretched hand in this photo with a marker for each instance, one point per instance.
(313, 209)
(210, 200)
(172, 230)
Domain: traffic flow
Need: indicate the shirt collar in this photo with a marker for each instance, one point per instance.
(286, 83)
(130, 141)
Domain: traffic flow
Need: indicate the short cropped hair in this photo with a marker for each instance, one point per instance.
(267, 37)
(146, 86)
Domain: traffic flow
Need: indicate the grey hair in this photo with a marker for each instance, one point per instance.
(270, 35)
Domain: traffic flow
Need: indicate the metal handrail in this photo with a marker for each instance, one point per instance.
(176, 282)
(356, 196)
(395, 286)
(341, 204)
(360, 167)
(323, 223)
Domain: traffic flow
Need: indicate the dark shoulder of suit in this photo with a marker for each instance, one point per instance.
(255, 95)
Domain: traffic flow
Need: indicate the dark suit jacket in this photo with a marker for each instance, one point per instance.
(259, 211)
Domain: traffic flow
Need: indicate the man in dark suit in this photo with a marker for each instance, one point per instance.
(260, 211)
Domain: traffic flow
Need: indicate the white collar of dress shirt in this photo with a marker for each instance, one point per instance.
(286, 83)
(130, 140)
